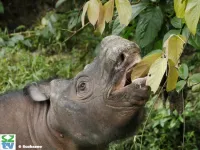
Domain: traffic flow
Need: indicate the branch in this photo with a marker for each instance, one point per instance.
(134, 3)
(75, 32)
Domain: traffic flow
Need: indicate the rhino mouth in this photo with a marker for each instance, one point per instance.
(126, 77)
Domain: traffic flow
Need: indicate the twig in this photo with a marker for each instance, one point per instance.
(150, 114)
(22, 33)
(75, 32)
(183, 120)
(134, 3)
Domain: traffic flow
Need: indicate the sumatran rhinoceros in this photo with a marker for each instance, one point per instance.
(99, 105)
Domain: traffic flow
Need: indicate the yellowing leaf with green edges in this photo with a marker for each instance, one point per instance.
(101, 20)
(124, 10)
(142, 68)
(85, 7)
(108, 8)
(172, 76)
(174, 47)
(179, 7)
(156, 73)
(192, 15)
(93, 11)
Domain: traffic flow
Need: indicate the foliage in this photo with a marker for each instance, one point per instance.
(58, 45)
(165, 130)
(19, 68)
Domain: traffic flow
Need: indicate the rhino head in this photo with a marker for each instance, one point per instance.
(100, 104)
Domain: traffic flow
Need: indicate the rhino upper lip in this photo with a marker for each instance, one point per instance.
(126, 79)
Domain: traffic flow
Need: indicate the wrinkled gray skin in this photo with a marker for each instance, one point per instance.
(97, 106)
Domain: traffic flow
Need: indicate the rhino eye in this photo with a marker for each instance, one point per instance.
(84, 87)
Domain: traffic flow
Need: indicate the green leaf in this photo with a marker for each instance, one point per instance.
(108, 8)
(192, 15)
(156, 73)
(176, 22)
(1, 8)
(17, 38)
(183, 71)
(148, 26)
(179, 7)
(93, 11)
(117, 27)
(186, 32)
(136, 10)
(124, 10)
(60, 2)
(172, 76)
(194, 79)
(196, 88)
(180, 85)
(195, 40)
(174, 47)
(85, 7)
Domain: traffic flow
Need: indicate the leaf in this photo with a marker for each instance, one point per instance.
(194, 79)
(192, 15)
(180, 85)
(117, 27)
(93, 11)
(148, 26)
(136, 10)
(156, 73)
(196, 88)
(169, 33)
(176, 22)
(85, 7)
(179, 7)
(195, 40)
(142, 68)
(183, 71)
(108, 8)
(172, 76)
(59, 3)
(174, 47)
(101, 20)
(186, 32)
(1, 8)
(124, 10)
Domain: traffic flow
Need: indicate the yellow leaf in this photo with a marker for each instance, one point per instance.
(156, 73)
(109, 7)
(124, 10)
(93, 11)
(192, 15)
(179, 7)
(174, 47)
(142, 68)
(101, 20)
(85, 7)
(172, 76)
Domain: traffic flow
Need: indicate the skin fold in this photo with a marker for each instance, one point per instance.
(99, 105)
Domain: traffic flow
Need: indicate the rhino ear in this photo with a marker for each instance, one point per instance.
(39, 92)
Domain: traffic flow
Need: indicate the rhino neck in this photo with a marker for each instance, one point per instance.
(60, 138)
(41, 132)
(44, 130)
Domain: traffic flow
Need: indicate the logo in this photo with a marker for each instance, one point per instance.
(7, 142)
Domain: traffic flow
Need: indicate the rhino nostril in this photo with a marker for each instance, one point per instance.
(121, 60)
(122, 57)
